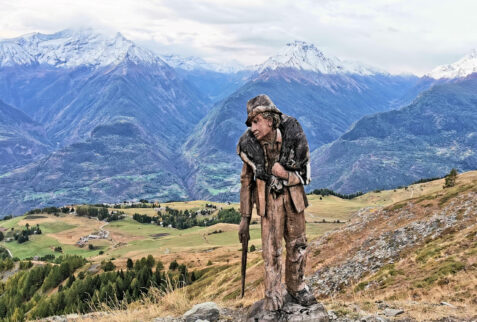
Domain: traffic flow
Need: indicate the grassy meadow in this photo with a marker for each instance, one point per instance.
(130, 239)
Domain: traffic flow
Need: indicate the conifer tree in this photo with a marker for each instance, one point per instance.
(130, 264)
(450, 179)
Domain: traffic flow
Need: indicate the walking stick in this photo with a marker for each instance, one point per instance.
(244, 263)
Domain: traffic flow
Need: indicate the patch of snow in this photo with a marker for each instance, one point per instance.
(72, 48)
(461, 68)
(196, 63)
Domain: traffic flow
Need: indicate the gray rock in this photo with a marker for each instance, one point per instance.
(448, 304)
(208, 311)
(72, 316)
(332, 315)
(295, 312)
(373, 318)
(393, 312)
(289, 312)
(168, 319)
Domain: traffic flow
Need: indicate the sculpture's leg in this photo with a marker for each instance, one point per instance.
(296, 247)
(272, 235)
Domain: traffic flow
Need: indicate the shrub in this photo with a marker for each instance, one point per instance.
(173, 265)
(108, 266)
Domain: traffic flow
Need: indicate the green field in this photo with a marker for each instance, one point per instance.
(129, 238)
(56, 227)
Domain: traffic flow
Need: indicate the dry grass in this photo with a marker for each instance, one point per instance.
(417, 311)
(443, 269)
(171, 302)
(82, 226)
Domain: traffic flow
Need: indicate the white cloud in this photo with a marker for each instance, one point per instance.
(400, 36)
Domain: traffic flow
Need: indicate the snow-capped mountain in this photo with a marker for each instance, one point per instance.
(75, 80)
(112, 111)
(325, 95)
(196, 63)
(304, 56)
(461, 68)
(72, 48)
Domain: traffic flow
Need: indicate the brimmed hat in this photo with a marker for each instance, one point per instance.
(259, 104)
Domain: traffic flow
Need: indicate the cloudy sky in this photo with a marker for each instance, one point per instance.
(399, 36)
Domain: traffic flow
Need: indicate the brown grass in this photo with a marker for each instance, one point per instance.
(84, 226)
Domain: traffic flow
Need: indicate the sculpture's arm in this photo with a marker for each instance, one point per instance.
(246, 191)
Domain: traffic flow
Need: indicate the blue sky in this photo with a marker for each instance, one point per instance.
(398, 36)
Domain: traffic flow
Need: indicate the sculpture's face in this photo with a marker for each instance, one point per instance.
(261, 127)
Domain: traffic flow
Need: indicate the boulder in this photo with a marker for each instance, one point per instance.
(393, 312)
(208, 311)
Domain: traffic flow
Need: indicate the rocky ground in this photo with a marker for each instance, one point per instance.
(389, 233)
(210, 311)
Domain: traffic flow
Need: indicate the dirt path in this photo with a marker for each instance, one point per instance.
(9, 252)
(106, 231)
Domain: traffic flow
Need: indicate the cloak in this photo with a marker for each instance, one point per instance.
(294, 154)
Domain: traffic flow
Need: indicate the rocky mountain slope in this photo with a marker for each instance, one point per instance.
(215, 86)
(22, 140)
(118, 162)
(425, 139)
(422, 250)
(214, 81)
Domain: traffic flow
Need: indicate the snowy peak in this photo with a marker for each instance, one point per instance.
(71, 48)
(300, 55)
(461, 68)
(12, 54)
(303, 56)
(196, 63)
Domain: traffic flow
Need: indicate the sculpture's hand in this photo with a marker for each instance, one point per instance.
(279, 171)
(244, 229)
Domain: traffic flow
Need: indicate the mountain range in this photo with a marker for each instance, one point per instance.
(325, 95)
(91, 117)
(72, 81)
(75, 85)
(425, 139)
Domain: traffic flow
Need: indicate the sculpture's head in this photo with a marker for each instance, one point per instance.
(262, 116)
